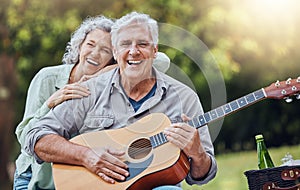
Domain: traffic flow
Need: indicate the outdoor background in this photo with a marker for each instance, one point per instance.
(253, 42)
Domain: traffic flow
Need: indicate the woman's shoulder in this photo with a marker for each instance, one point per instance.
(54, 71)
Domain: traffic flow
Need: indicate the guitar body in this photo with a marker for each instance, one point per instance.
(148, 167)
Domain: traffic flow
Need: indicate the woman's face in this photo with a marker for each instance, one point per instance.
(95, 52)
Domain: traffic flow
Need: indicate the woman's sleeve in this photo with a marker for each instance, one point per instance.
(39, 91)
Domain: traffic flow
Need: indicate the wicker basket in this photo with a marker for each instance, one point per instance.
(277, 178)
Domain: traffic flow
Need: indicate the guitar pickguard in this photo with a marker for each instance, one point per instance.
(137, 168)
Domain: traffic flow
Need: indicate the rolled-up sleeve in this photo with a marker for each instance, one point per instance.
(209, 176)
(63, 120)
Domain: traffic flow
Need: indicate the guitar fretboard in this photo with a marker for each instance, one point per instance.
(227, 109)
(215, 114)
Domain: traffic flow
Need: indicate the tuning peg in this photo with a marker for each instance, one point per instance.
(294, 88)
(283, 92)
(298, 79)
(277, 84)
(288, 81)
(288, 100)
(297, 96)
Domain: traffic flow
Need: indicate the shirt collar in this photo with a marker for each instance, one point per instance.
(63, 76)
(162, 85)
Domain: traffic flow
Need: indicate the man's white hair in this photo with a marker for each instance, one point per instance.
(135, 18)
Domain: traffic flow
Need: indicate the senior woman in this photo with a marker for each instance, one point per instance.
(88, 54)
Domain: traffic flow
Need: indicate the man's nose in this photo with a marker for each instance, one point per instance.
(134, 50)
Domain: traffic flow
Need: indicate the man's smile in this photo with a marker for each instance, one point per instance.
(130, 62)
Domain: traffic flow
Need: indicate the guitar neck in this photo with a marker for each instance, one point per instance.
(227, 109)
(215, 114)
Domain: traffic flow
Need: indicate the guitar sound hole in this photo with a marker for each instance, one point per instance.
(139, 148)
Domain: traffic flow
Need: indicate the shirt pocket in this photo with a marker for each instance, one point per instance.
(97, 123)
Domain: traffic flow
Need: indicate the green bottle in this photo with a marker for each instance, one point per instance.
(264, 158)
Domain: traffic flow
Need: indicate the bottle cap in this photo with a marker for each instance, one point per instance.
(259, 137)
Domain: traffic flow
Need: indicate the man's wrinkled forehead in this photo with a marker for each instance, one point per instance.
(134, 31)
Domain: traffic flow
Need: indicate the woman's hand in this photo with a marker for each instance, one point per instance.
(69, 91)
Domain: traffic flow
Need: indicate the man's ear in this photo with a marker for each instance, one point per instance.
(155, 51)
(114, 53)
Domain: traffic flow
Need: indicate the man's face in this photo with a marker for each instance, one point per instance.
(135, 51)
(95, 51)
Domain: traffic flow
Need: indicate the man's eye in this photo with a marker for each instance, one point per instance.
(143, 44)
(90, 44)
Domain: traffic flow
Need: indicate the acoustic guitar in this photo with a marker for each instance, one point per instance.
(152, 160)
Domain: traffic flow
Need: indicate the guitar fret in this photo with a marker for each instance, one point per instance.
(201, 120)
(242, 102)
(153, 143)
(227, 108)
(161, 137)
(234, 105)
(207, 117)
(164, 138)
(220, 111)
(157, 139)
(191, 122)
(259, 94)
(250, 98)
(196, 122)
(213, 114)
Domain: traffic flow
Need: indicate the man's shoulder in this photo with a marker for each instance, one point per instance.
(102, 80)
(174, 82)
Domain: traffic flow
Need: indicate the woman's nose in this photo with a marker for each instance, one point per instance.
(95, 53)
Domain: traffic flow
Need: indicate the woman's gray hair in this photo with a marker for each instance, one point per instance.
(71, 55)
(138, 18)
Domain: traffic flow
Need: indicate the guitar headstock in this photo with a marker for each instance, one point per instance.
(284, 89)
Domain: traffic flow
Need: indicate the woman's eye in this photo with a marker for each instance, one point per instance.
(90, 44)
(107, 51)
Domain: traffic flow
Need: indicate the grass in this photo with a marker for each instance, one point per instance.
(231, 168)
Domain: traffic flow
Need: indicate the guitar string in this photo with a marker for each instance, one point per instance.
(144, 145)
(137, 152)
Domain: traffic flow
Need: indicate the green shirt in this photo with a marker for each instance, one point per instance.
(47, 81)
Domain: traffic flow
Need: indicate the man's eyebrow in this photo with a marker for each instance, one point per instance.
(125, 40)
